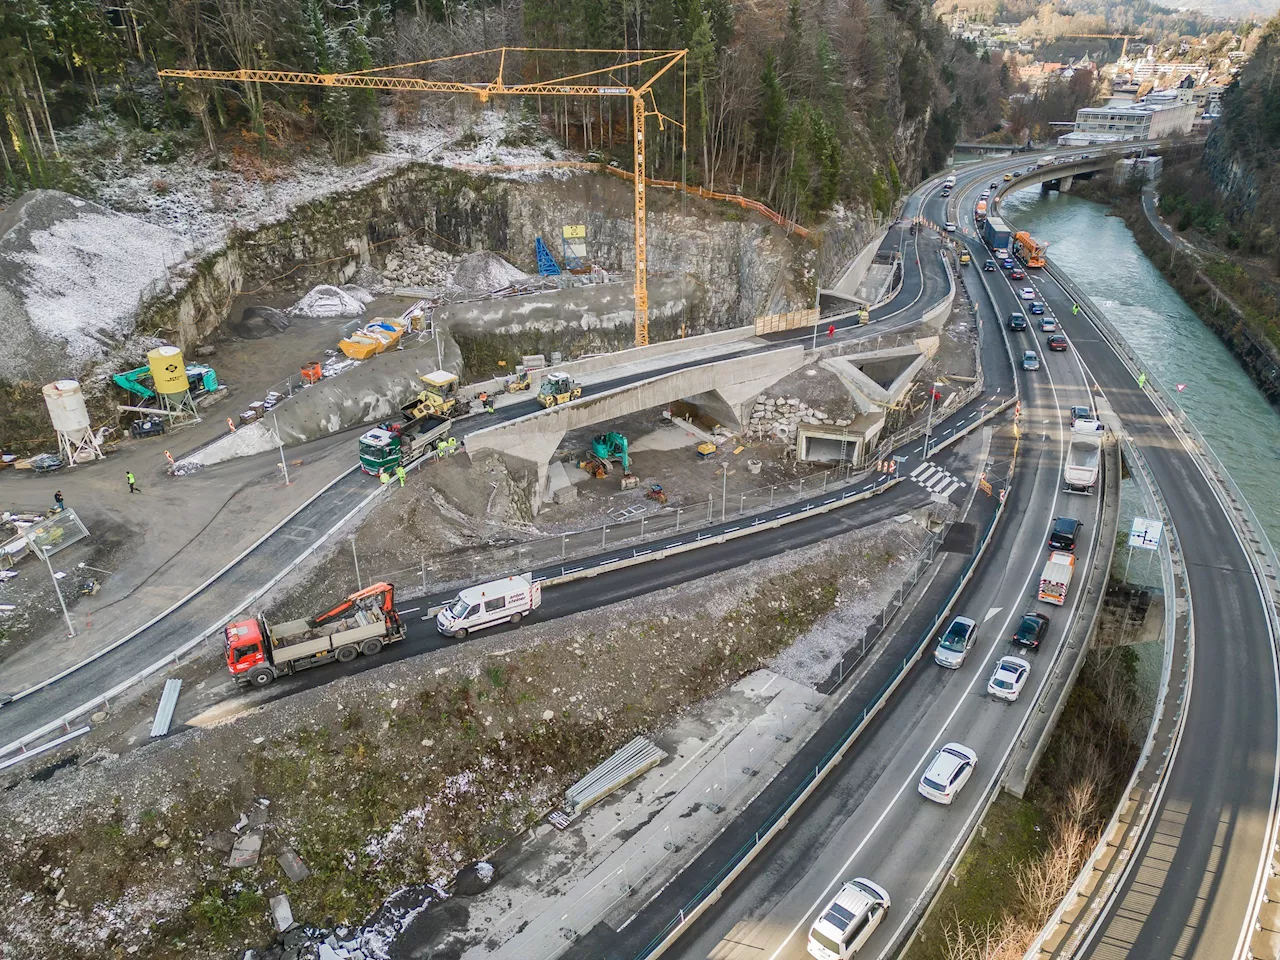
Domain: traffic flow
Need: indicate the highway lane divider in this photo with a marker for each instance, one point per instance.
(1076, 642)
(1099, 879)
(1082, 629)
(1096, 884)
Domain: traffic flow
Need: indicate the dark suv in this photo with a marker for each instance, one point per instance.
(1064, 533)
(1030, 629)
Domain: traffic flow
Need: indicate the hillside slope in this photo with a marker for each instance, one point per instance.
(1242, 155)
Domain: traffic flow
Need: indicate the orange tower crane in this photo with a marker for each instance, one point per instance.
(589, 83)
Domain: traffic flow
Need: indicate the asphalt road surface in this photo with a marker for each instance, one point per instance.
(1195, 877)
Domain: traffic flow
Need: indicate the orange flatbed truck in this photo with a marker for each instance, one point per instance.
(258, 652)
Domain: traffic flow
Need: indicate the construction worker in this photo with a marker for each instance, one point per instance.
(132, 481)
(58, 503)
(1075, 309)
(831, 331)
(400, 473)
(486, 401)
(383, 477)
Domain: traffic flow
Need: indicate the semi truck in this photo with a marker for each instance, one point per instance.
(258, 652)
(391, 445)
(1026, 249)
(1080, 474)
(1055, 579)
(995, 233)
(980, 211)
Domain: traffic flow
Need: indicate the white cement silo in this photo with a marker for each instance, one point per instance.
(70, 416)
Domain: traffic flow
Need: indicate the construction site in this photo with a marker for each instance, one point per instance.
(453, 376)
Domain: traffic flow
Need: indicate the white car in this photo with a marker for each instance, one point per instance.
(949, 227)
(1008, 678)
(948, 771)
(953, 646)
(849, 920)
(1028, 293)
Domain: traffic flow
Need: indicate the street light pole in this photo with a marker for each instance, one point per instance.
(71, 631)
(928, 423)
(284, 465)
(724, 490)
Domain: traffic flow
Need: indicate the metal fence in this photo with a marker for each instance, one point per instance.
(623, 531)
(851, 658)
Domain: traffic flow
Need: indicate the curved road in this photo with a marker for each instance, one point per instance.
(1191, 888)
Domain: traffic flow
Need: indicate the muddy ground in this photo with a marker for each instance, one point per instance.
(394, 776)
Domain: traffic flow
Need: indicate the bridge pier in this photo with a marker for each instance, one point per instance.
(1064, 185)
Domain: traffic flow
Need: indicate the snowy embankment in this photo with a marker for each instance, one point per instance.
(72, 275)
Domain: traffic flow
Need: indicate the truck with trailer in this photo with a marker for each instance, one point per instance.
(258, 652)
(391, 445)
(1080, 474)
(980, 211)
(995, 233)
(1055, 579)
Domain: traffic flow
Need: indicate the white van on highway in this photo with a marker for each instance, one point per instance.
(849, 920)
(507, 600)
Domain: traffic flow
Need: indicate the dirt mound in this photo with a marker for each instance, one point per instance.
(485, 272)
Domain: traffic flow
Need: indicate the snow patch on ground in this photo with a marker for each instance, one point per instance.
(330, 301)
(72, 275)
(204, 204)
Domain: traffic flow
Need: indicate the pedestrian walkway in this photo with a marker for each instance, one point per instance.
(936, 480)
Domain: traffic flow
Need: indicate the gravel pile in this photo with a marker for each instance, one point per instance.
(485, 272)
(417, 265)
(329, 301)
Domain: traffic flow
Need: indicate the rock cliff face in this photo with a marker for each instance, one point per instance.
(729, 266)
(1242, 155)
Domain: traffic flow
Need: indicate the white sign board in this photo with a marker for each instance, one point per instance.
(1145, 534)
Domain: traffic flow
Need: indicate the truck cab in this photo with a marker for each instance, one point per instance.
(245, 646)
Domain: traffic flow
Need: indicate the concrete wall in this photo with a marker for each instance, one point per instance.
(848, 283)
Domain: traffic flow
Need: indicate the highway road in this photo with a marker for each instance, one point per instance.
(1196, 875)
(867, 818)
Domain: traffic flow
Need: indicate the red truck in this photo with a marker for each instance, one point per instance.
(363, 623)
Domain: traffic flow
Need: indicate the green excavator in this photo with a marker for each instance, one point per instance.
(607, 448)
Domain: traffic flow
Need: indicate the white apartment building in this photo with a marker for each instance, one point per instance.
(1149, 119)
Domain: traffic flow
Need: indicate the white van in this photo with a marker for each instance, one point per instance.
(500, 601)
(849, 920)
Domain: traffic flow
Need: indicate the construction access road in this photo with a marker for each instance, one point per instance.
(77, 684)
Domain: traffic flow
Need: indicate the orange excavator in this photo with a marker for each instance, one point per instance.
(1026, 249)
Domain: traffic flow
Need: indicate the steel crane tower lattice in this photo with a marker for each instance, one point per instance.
(643, 105)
